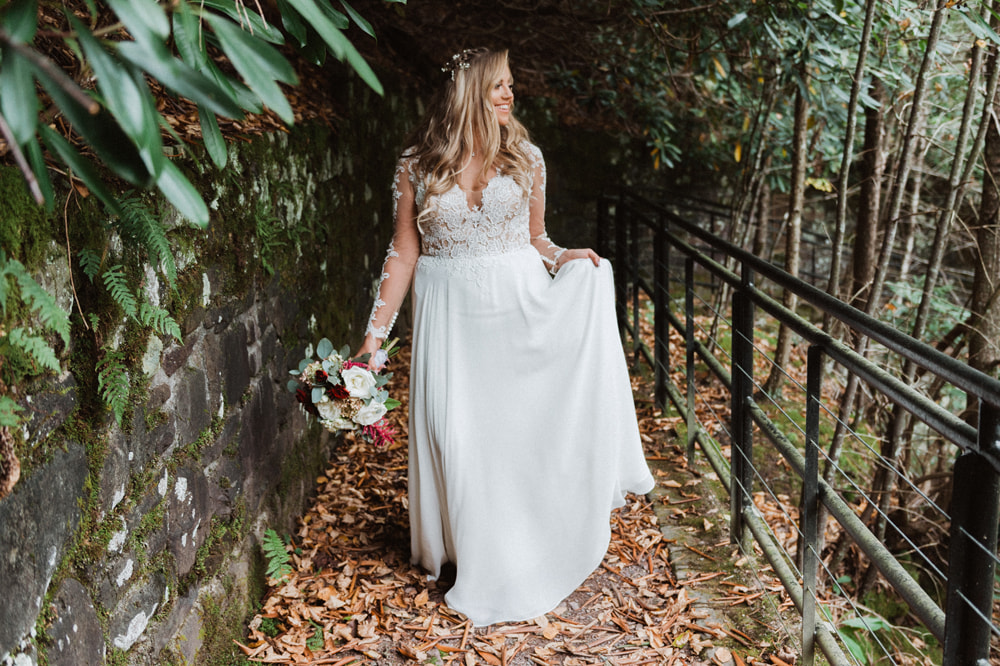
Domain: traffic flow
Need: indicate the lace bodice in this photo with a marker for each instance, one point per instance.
(457, 233)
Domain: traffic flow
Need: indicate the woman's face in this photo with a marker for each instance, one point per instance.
(502, 96)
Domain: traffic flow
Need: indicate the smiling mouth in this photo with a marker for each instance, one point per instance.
(503, 107)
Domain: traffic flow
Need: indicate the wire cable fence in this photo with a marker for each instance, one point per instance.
(874, 497)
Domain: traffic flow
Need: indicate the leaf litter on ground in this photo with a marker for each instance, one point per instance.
(354, 598)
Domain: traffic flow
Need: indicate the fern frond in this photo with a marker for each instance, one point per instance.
(90, 262)
(36, 347)
(159, 319)
(116, 283)
(8, 412)
(112, 382)
(278, 561)
(44, 304)
(138, 224)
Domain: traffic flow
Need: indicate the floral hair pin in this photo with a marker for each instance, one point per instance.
(457, 62)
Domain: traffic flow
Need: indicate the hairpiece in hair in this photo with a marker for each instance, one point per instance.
(457, 62)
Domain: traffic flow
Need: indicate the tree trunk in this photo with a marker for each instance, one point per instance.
(793, 232)
(866, 230)
(984, 335)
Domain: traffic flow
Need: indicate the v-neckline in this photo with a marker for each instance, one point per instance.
(471, 206)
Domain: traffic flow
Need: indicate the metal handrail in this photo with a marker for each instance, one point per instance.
(977, 481)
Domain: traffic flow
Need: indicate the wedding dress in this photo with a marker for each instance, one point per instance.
(522, 432)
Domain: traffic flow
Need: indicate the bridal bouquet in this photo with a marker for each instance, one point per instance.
(345, 393)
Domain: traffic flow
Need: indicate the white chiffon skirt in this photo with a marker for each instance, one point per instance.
(523, 433)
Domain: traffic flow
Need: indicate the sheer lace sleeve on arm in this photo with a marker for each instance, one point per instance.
(400, 259)
(548, 250)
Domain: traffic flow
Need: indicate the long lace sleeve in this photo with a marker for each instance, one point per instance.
(401, 257)
(548, 250)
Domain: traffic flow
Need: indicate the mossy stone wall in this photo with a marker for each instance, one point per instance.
(137, 543)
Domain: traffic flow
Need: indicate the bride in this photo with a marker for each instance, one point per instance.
(522, 433)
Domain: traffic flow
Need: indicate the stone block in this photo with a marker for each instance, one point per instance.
(48, 408)
(237, 363)
(189, 516)
(259, 458)
(191, 405)
(38, 521)
(131, 617)
(175, 628)
(77, 639)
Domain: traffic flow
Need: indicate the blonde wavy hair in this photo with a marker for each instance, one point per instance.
(460, 113)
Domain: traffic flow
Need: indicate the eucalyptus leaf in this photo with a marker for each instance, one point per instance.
(182, 194)
(20, 20)
(317, 394)
(324, 348)
(215, 144)
(292, 386)
(303, 364)
(258, 63)
(145, 19)
(84, 170)
(345, 351)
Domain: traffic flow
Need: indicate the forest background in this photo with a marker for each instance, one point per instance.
(871, 127)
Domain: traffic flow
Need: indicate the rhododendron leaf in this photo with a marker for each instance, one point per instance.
(392, 403)
(324, 348)
(293, 386)
(317, 394)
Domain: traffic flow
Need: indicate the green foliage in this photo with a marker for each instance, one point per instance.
(117, 285)
(36, 347)
(315, 642)
(278, 561)
(169, 43)
(8, 412)
(113, 382)
(138, 225)
(268, 232)
(159, 319)
(90, 263)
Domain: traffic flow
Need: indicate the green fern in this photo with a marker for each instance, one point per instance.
(159, 319)
(36, 347)
(138, 225)
(41, 302)
(8, 412)
(112, 382)
(315, 642)
(278, 563)
(116, 283)
(90, 262)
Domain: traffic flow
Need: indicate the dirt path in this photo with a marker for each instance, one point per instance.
(353, 597)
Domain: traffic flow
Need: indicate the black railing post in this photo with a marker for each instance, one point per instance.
(661, 297)
(810, 504)
(975, 510)
(741, 456)
(622, 213)
(692, 418)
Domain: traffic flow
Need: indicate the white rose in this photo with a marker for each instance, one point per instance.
(328, 410)
(370, 413)
(359, 382)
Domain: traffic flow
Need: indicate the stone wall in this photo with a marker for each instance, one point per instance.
(138, 543)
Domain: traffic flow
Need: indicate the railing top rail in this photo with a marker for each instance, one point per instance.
(959, 374)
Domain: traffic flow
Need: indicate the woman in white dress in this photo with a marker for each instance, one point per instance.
(522, 434)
